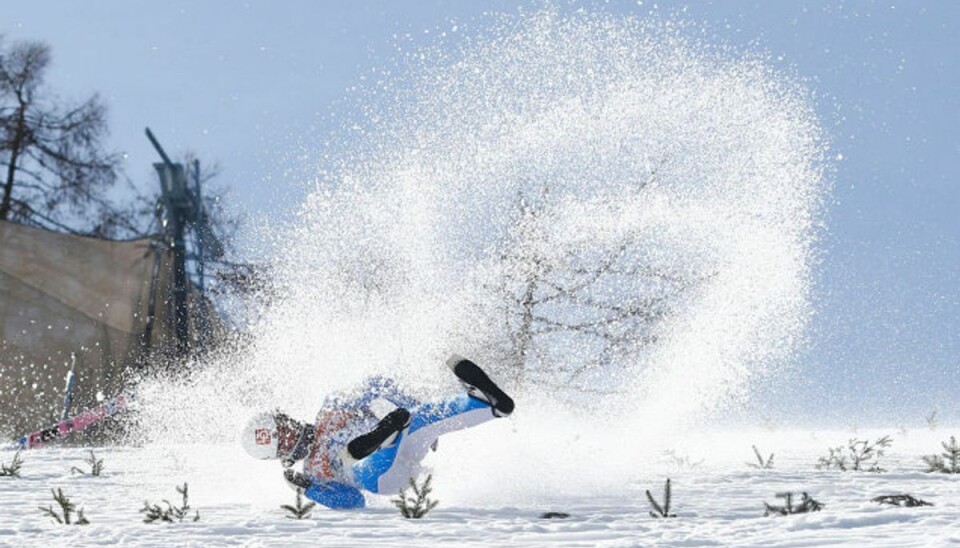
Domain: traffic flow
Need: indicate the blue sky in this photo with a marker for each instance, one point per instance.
(255, 85)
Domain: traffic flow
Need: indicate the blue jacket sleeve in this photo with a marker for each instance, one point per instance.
(335, 495)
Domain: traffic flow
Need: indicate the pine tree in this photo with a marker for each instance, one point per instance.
(96, 466)
(14, 469)
(857, 456)
(807, 504)
(170, 514)
(418, 505)
(661, 511)
(947, 462)
(300, 510)
(66, 508)
(901, 500)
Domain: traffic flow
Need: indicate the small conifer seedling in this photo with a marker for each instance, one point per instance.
(554, 515)
(948, 462)
(417, 505)
(300, 510)
(681, 462)
(901, 500)
(932, 420)
(766, 464)
(14, 469)
(96, 466)
(857, 456)
(664, 510)
(66, 508)
(170, 514)
(807, 504)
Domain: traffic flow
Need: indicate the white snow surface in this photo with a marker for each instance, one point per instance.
(717, 497)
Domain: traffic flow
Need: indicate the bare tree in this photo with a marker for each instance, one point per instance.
(596, 301)
(54, 168)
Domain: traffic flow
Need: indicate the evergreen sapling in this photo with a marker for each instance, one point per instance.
(901, 500)
(300, 510)
(807, 504)
(932, 420)
(14, 469)
(419, 504)
(170, 514)
(96, 466)
(858, 455)
(66, 508)
(661, 511)
(765, 464)
(948, 462)
(681, 462)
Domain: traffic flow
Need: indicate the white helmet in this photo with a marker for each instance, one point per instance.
(276, 436)
(259, 437)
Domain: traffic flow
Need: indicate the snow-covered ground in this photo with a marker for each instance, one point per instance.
(718, 500)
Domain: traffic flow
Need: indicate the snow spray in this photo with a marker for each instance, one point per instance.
(613, 215)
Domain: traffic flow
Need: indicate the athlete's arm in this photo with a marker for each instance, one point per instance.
(328, 493)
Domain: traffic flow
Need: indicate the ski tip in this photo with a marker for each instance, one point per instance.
(454, 359)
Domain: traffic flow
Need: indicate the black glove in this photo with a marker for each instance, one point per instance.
(296, 480)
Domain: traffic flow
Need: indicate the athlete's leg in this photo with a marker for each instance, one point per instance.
(390, 468)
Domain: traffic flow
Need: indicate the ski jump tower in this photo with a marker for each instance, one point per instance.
(95, 311)
(185, 224)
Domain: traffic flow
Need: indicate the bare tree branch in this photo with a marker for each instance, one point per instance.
(51, 158)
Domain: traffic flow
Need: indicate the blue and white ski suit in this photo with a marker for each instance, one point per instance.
(387, 470)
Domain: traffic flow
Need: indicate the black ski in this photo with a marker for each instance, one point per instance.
(364, 445)
(479, 385)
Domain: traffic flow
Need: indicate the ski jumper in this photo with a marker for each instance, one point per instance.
(338, 485)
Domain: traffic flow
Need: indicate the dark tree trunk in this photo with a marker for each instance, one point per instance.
(15, 147)
(525, 335)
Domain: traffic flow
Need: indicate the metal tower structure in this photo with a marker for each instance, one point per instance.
(184, 219)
